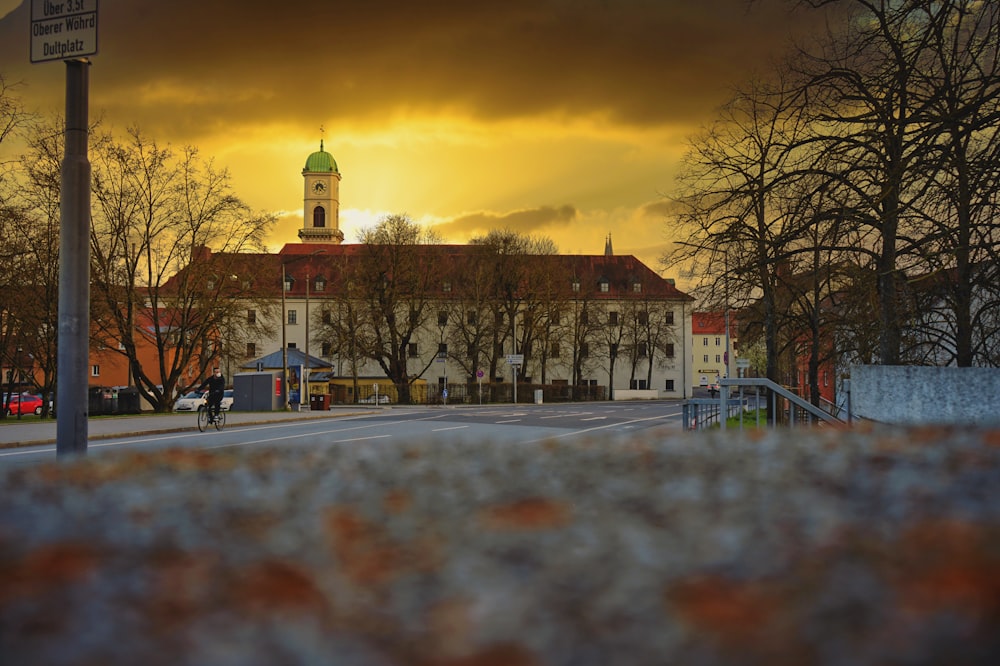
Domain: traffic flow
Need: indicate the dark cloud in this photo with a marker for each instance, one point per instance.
(523, 221)
(190, 64)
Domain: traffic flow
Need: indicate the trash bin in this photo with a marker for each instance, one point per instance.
(99, 400)
(128, 401)
(538, 396)
(319, 402)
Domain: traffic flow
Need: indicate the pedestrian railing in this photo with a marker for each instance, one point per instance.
(767, 402)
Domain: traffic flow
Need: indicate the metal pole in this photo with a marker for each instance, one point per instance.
(514, 366)
(284, 345)
(304, 399)
(74, 269)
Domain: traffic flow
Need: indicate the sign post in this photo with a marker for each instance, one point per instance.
(67, 30)
(63, 29)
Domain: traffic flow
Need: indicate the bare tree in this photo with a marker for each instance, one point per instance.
(400, 279)
(732, 189)
(156, 282)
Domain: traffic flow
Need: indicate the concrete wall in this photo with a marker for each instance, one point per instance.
(636, 394)
(913, 395)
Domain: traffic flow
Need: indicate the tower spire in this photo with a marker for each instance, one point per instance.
(608, 252)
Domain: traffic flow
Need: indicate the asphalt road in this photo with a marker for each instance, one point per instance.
(500, 423)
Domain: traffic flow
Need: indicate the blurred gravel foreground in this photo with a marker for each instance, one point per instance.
(805, 547)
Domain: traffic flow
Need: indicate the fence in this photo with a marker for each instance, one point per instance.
(488, 393)
(769, 403)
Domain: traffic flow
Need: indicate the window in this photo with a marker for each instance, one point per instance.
(326, 348)
(251, 349)
(554, 351)
(639, 384)
(603, 285)
(251, 316)
(705, 358)
(718, 341)
(704, 342)
(319, 284)
(642, 350)
(442, 317)
(668, 385)
(718, 358)
(319, 217)
(95, 371)
(327, 317)
(584, 318)
(288, 282)
(614, 350)
(613, 318)
(411, 349)
(210, 285)
(668, 350)
(472, 317)
(446, 287)
(584, 350)
(470, 352)
(576, 285)
(554, 317)
(293, 317)
(637, 287)
(442, 349)
(643, 318)
(670, 318)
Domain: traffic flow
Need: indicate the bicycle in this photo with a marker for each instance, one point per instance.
(205, 420)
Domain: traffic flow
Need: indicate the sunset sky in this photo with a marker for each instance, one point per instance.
(565, 118)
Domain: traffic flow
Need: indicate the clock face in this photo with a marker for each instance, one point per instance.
(319, 187)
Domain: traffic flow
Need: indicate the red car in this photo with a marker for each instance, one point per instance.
(23, 403)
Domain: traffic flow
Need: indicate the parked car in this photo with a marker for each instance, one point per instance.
(23, 403)
(190, 402)
(383, 399)
(195, 399)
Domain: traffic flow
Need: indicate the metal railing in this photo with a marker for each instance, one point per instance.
(753, 395)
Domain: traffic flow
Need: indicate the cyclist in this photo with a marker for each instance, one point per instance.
(216, 385)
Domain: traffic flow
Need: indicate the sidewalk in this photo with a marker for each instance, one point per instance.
(33, 432)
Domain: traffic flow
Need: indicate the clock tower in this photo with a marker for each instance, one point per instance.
(321, 203)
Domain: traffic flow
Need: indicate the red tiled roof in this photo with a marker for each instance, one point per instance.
(621, 272)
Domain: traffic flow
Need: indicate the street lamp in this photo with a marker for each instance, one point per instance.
(284, 331)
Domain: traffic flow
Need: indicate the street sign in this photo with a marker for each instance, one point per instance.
(742, 363)
(479, 373)
(515, 359)
(63, 29)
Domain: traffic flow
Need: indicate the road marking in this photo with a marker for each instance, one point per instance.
(562, 416)
(595, 418)
(600, 427)
(511, 421)
(451, 428)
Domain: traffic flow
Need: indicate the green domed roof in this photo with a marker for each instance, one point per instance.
(321, 162)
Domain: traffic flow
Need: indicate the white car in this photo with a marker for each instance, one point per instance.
(190, 402)
(195, 399)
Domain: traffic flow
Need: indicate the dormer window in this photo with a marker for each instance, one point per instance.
(637, 287)
(319, 284)
(446, 287)
(288, 282)
(576, 285)
(603, 285)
